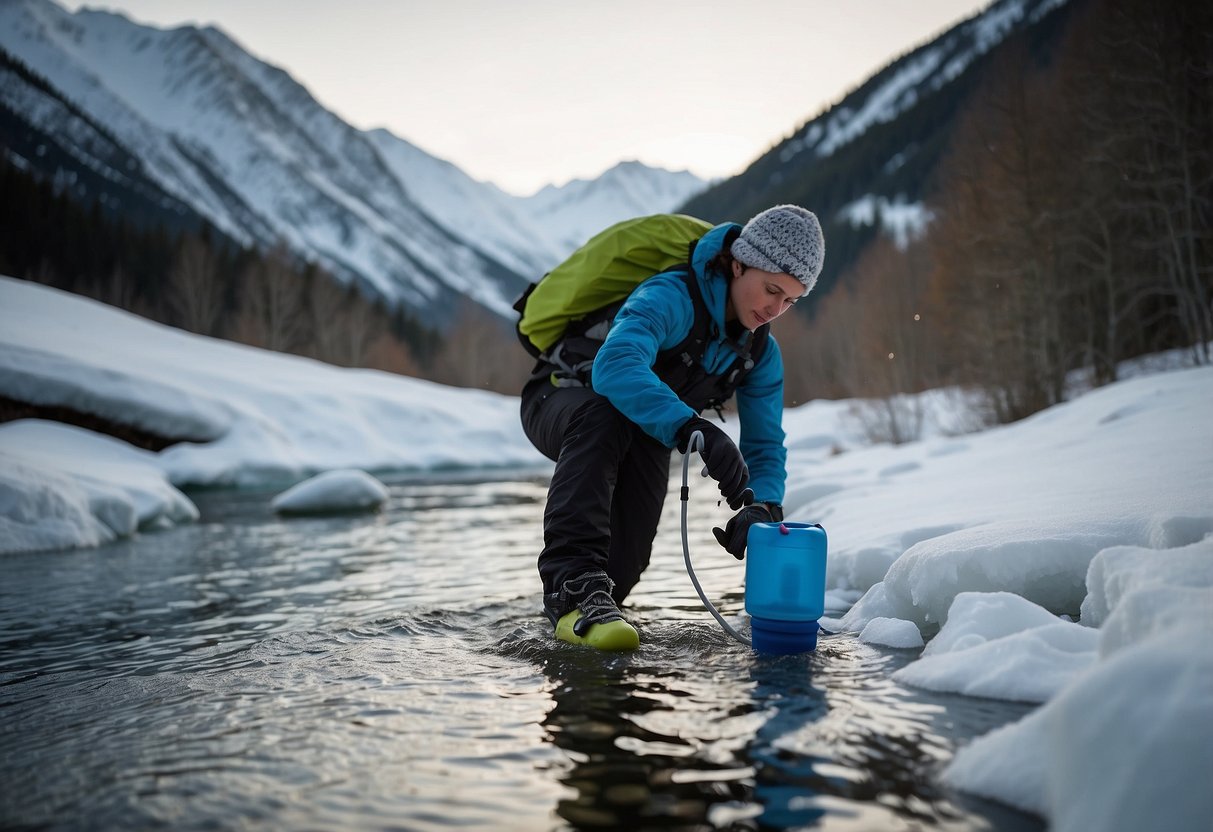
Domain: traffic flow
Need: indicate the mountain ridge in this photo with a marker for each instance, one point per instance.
(882, 142)
(251, 152)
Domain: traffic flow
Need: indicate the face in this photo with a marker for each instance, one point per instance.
(757, 297)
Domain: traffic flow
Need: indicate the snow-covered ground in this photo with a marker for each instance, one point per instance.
(1066, 559)
(254, 418)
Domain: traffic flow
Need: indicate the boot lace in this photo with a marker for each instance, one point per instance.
(591, 593)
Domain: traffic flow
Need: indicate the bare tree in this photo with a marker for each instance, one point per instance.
(481, 350)
(389, 354)
(327, 320)
(1162, 65)
(271, 307)
(820, 354)
(195, 290)
(999, 277)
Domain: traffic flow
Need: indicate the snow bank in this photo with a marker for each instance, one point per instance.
(1127, 743)
(978, 617)
(1101, 509)
(249, 417)
(253, 417)
(63, 487)
(1002, 646)
(1128, 746)
(1023, 508)
(345, 490)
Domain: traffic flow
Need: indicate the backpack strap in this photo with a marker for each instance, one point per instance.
(683, 364)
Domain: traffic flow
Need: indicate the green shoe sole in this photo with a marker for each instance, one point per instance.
(613, 635)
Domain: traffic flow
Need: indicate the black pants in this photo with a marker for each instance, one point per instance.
(607, 491)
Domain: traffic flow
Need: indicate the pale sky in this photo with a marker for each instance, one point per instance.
(531, 92)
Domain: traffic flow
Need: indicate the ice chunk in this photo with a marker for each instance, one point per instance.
(1152, 609)
(1006, 555)
(874, 604)
(1009, 765)
(1028, 666)
(346, 490)
(1002, 646)
(892, 632)
(841, 600)
(977, 617)
(1116, 571)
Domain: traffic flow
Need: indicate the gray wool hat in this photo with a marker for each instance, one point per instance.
(785, 239)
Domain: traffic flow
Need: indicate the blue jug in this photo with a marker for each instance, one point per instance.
(785, 585)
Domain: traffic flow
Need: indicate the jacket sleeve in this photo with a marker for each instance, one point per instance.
(760, 409)
(657, 316)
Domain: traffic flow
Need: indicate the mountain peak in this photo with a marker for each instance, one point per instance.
(574, 212)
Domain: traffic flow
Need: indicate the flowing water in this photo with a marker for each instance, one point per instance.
(393, 672)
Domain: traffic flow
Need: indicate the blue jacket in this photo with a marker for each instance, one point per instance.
(658, 316)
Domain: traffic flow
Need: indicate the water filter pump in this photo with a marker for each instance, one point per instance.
(785, 579)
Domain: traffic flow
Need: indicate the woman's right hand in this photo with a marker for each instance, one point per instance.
(722, 458)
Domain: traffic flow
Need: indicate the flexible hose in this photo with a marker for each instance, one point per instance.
(695, 444)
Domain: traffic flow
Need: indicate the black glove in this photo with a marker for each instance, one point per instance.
(723, 460)
(735, 533)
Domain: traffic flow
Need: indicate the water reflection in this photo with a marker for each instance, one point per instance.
(786, 782)
(748, 742)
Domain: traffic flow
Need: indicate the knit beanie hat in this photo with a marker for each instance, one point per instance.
(785, 239)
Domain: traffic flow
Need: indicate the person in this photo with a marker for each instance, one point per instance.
(683, 341)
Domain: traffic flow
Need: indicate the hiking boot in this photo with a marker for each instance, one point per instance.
(583, 612)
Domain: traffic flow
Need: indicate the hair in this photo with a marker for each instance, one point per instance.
(723, 261)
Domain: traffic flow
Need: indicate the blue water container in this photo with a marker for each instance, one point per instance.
(785, 585)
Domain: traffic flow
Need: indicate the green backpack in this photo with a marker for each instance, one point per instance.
(603, 272)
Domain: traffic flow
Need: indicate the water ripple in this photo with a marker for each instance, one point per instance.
(394, 672)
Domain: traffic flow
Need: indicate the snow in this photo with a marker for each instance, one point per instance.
(1001, 646)
(986, 545)
(1121, 570)
(915, 75)
(62, 487)
(344, 490)
(468, 208)
(904, 221)
(892, 632)
(1127, 746)
(248, 418)
(883, 104)
(979, 617)
(1127, 743)
(1022, 508)
(574, 212)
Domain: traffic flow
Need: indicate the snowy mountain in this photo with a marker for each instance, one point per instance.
(83, 158)
(466, 206)
(576, 211)
(200, 125)
(922, 72)
(538, 231)
(866, 163)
